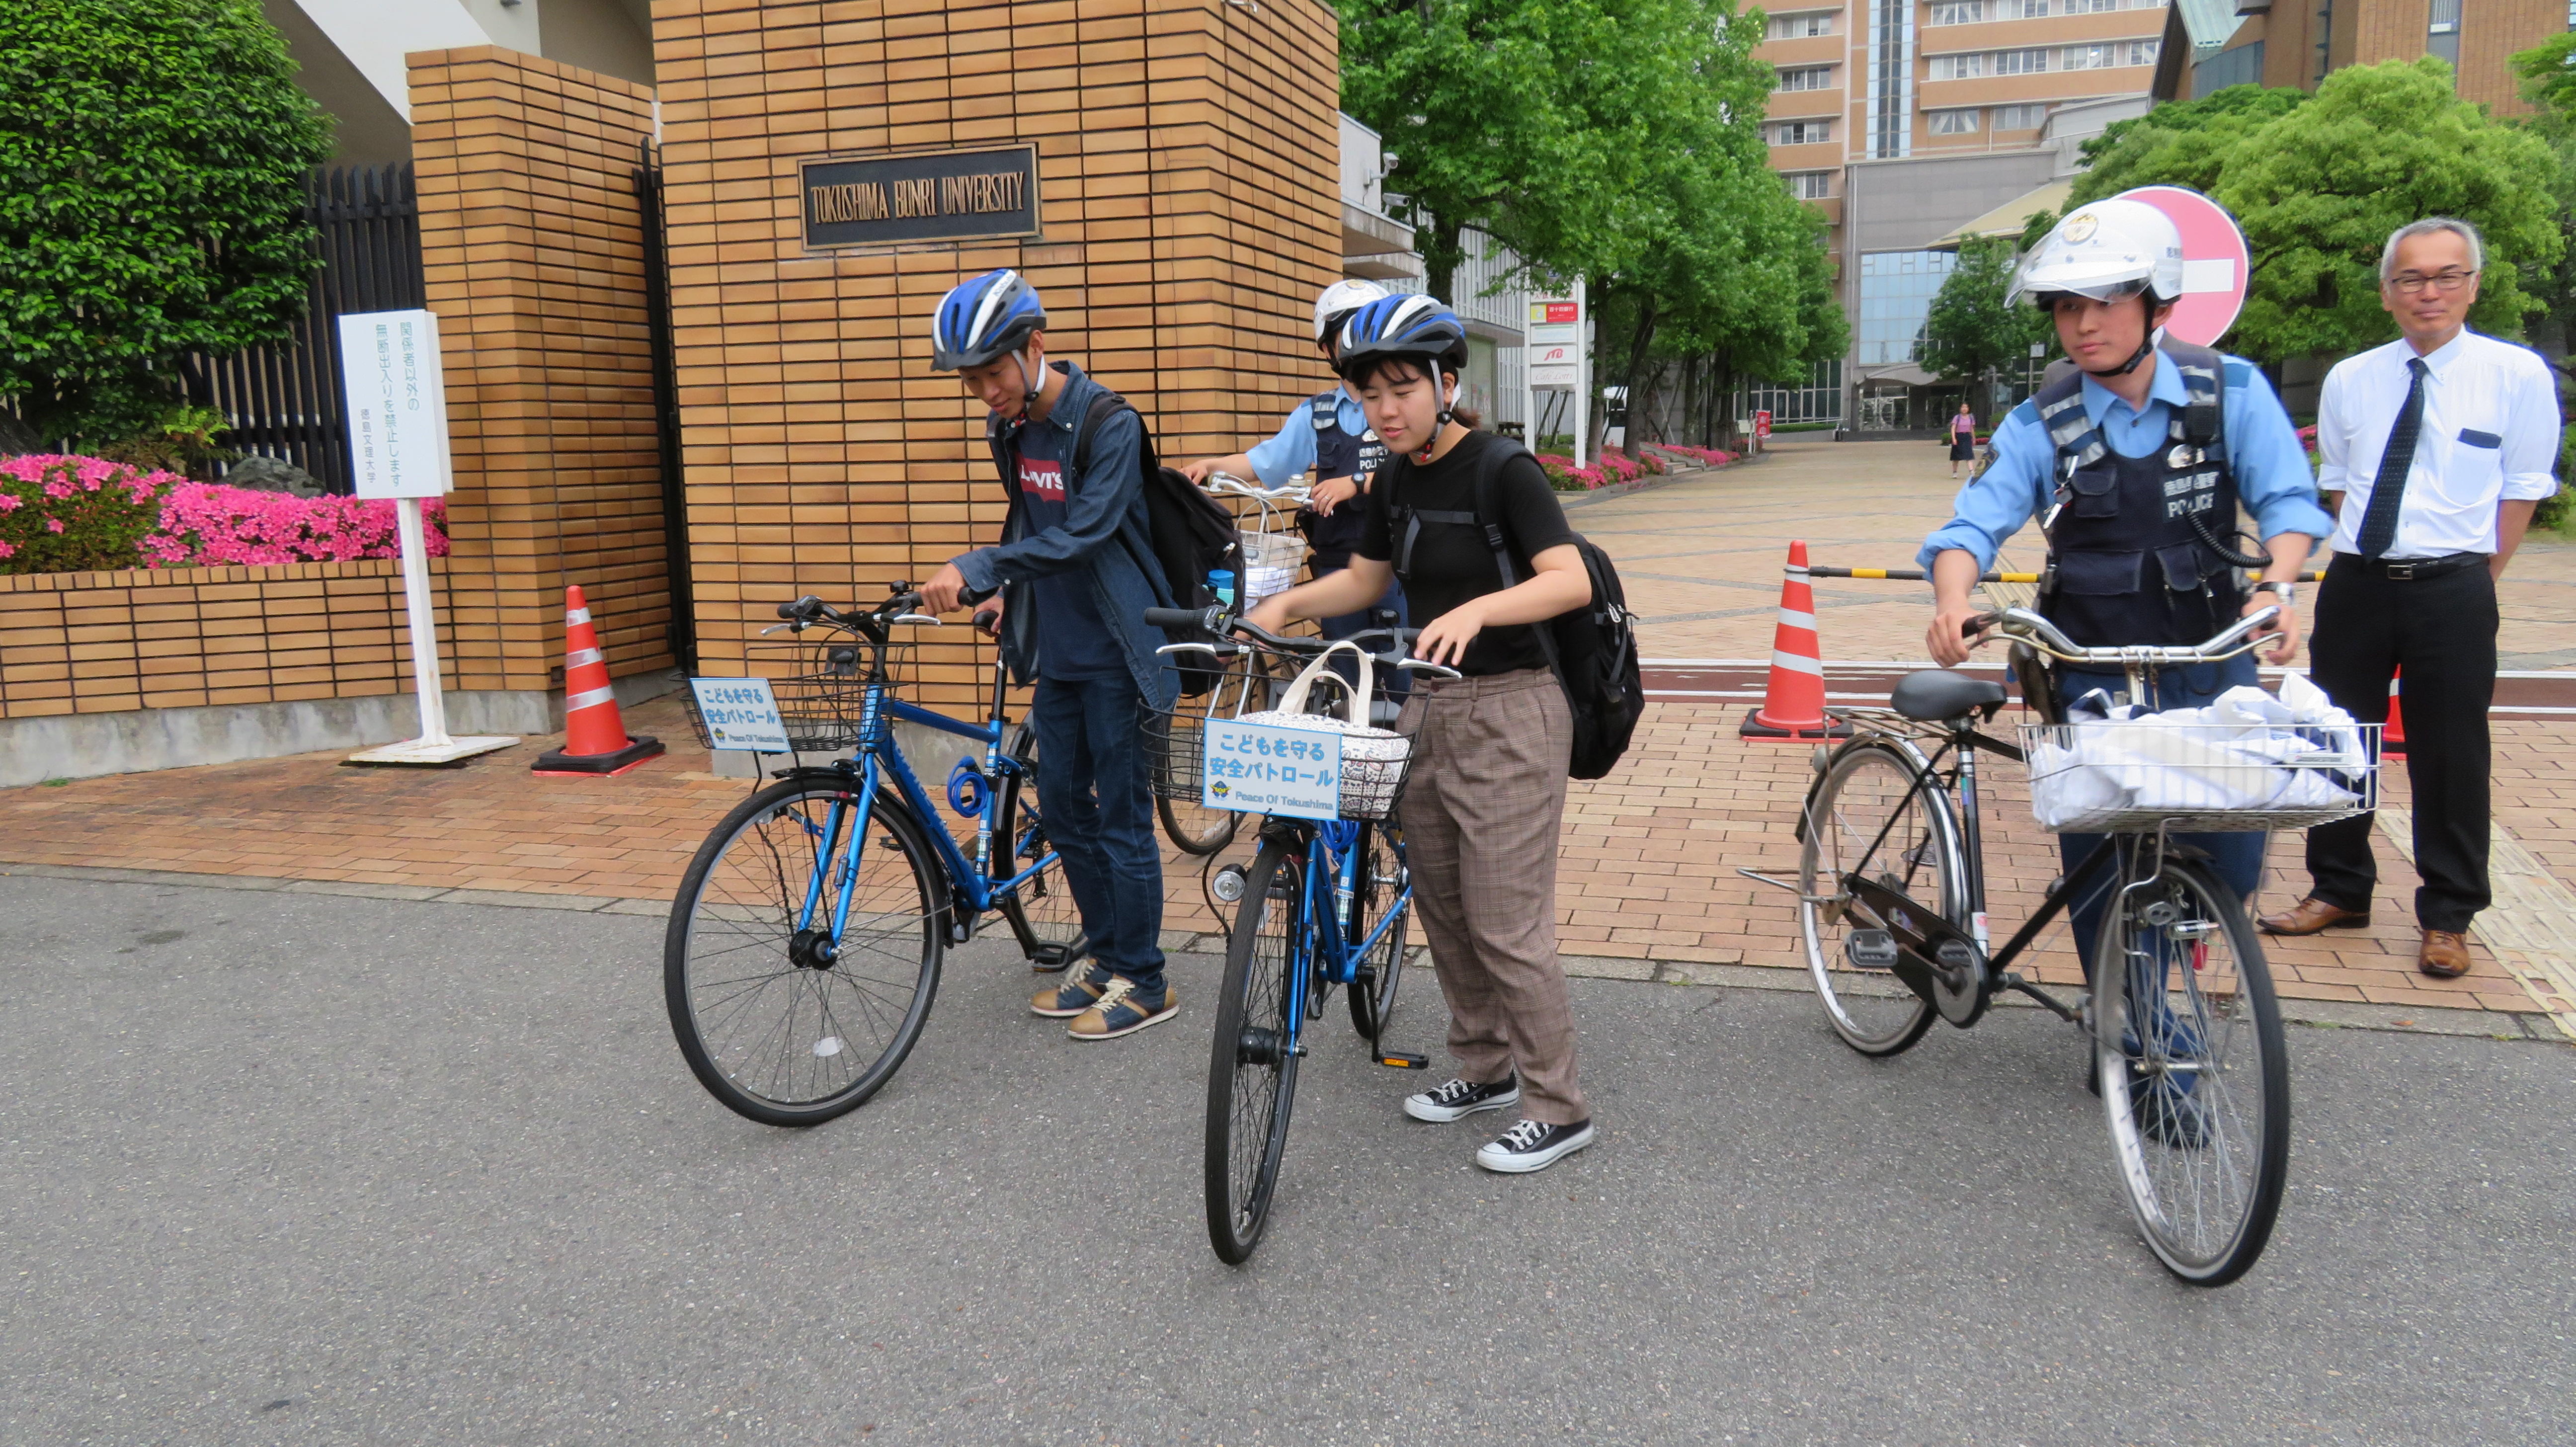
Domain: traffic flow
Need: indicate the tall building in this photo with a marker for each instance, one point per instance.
(2213, 44)
(1911, 123)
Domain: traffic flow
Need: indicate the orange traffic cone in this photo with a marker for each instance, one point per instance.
(2392, 739)
(595, 740)
(1793, 705)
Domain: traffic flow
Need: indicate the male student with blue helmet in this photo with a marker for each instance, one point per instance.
(1077, 570)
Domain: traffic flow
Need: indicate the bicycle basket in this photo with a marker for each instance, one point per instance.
(820, 686)
(2141, 776)
(1270, 564)
(1374, 760)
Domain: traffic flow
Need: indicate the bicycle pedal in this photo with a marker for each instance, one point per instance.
(1398, 1060)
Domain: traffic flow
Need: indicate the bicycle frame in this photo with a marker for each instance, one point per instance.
(879, 759)
(1332, 852)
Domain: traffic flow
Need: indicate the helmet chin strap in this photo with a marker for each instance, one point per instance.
(1020, 359)
(1446, 407)
(2145, 348)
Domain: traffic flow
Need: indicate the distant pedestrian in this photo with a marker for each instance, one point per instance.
(2441, 444)
(1963, 438)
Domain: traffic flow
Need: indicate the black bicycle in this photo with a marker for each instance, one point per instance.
(2188, 1052)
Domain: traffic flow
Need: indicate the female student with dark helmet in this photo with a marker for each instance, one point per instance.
(1485, 797)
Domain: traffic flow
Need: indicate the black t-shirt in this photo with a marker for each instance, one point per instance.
(1451, 561)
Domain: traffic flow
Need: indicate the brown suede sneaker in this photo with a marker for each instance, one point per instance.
(2313, 916)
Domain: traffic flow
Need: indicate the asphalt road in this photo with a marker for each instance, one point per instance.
(290, 1169)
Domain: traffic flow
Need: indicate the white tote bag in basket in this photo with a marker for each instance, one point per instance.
(1373, 759)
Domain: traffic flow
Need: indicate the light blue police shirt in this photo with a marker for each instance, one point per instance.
(2263, 452)
(1293, 450)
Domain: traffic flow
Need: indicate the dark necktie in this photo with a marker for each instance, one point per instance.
(2388, 490)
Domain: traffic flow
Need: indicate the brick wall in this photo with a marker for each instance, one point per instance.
(1188, 165)
(532, 244)
(188, 637)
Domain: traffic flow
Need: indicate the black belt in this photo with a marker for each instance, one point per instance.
(2402, 570)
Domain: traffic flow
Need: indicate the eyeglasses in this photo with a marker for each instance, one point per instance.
(2412, 283)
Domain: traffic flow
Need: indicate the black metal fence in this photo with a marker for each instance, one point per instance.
(285, 401)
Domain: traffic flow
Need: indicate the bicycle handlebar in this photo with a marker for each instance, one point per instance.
(809, 610)
(1218, 625)
(2028, 627)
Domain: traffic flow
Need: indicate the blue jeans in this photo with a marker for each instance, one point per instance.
(2237, 858)
(1091, 741)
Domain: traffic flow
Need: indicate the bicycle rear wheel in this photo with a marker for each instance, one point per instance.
(1381, 883)
(791, 1026)
(1252, 1070)
(1866, 816)
(2194, 1071)
(1041, 912)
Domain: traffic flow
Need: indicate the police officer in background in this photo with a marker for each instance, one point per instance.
(2440, 443)
(1327, 433)
(2137, 460)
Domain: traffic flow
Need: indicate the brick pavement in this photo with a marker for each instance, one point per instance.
(1648, 874)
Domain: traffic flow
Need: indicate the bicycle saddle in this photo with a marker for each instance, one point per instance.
(1933, 694)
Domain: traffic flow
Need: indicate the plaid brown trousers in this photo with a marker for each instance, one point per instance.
(1482, 805)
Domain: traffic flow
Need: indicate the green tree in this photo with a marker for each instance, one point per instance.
(2179, 143)
(2548, 74)
(2318, 189)
(1970, 331)
(151, 163)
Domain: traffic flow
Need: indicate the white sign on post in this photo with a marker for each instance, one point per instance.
(741, 713)
(1264, 769)
(396, 401)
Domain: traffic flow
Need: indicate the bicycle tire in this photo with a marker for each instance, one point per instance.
(1382, 879)
(1042, 914)
(2203, 1168)
(1252, 1073)
(1244, 688)
(1871, 1010)
(732, 957)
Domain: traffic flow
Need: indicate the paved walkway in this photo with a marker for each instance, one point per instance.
(1648, 886)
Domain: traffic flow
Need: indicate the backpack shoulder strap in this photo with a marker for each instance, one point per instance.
(1102, 407)
(1499, 451)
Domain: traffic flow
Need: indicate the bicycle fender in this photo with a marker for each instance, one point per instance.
(1935, 959)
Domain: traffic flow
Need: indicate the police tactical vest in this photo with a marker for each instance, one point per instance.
(2133, 559)
(1338, 454)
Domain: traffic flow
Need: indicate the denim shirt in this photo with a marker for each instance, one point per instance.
(1105, 534)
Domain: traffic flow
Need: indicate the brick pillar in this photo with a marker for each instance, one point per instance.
(532, 241)
(1189, 164)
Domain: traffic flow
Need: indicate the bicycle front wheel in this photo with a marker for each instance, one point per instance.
(1867, 817)
(2194, 1071)
(1252, 1069)
(780, 1019)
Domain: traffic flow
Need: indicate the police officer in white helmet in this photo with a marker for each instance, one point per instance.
(2137, 461)
(1329, 434)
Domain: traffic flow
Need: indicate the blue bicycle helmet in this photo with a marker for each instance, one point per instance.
(1414, 327)
(984, 318)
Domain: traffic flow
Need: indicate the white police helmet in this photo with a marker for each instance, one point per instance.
(1340, 300)
(2107, 250)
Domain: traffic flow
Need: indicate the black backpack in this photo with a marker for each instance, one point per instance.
(1192, 536)
(1593, 651)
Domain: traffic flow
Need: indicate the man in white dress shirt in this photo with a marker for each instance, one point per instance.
(2441, 443)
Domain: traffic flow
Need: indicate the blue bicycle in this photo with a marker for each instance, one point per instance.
(805, 943)
(1325, 904)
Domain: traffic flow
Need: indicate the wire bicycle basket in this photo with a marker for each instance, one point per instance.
(821, 685)
(2141, 776)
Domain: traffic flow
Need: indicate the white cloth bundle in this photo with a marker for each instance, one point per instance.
(1270, 564)
(2246, 753)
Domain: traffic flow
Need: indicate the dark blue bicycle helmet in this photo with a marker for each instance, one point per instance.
(1414, 327)
(983, 318)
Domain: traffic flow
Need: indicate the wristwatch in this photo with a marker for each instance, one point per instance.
(2285, 592)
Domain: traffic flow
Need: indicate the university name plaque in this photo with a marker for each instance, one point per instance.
(924, 196)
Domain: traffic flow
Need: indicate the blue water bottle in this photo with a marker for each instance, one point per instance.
(1221, 583)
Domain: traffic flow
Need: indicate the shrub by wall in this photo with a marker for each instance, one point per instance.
(61, 514)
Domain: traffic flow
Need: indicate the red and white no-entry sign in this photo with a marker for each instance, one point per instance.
(2214, 262)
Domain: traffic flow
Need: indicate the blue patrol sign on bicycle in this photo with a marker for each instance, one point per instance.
(1263, 769)
(741, 713)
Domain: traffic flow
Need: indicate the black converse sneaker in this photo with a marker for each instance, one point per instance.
(1460, 1099)
(1533, 1146)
